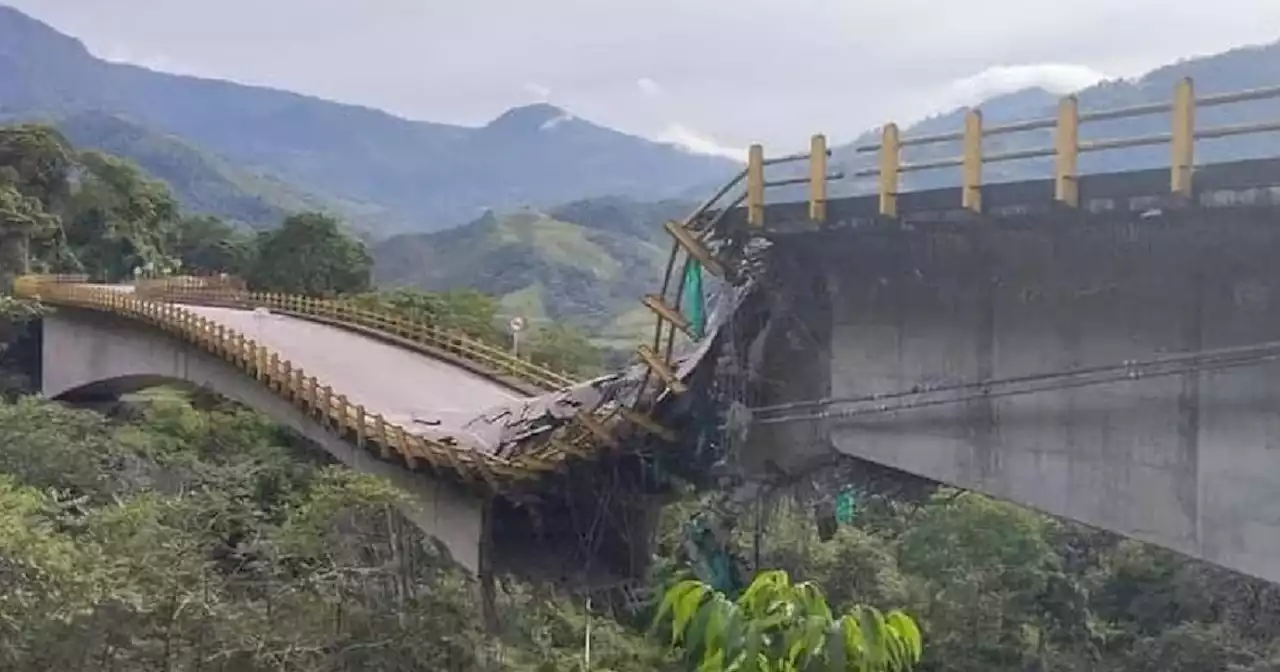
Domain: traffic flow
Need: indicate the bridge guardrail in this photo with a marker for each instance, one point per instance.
(230, 291)
(1067, 145)
(352, 422)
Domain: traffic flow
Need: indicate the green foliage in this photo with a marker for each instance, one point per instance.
(22, 214)
(466, 310)
(778, 626)
(205, 244)
(119, 219)
(310, 255)
(183, 539)
(559, 347)
(564, 348)
(37, 160)
(585, 272)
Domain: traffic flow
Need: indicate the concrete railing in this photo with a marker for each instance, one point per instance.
(480, 357)
(352, 422)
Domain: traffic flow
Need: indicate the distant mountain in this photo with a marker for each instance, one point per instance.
(593, 259)
(203, 183)
(1235, 70)
(412, 176)
(587, 262)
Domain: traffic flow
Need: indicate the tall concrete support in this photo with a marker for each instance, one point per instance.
(93, 355)
(1190, 462)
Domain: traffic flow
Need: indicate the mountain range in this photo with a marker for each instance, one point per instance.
(248, 152)
(564, 215)
(1253, 67)
(535, 284)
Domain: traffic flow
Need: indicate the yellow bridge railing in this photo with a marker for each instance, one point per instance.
(434, 340)
(1067, 145)
(352, 422)
(1066, 150)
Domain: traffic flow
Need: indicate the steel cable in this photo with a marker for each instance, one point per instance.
(1128, 370)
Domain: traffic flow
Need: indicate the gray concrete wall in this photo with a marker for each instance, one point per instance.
(88, 353)
(1189, 462)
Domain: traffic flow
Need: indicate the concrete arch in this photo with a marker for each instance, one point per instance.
(91, 353)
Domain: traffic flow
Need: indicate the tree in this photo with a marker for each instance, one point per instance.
(206, 244)
(467, 310)
(120, 219)
(310, 255)
(35, 164)
(989, 570)
(778, 626)
(21, 218)
(564, 348)
(38, 161)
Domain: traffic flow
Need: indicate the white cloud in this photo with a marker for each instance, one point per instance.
(649, 87)
(697, 143)
(1059, 78)
(538, 91)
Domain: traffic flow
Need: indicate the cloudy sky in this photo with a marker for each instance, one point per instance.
(708, 73)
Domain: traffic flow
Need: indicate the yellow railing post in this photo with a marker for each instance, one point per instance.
(971, 186)
(889, 161)
(286, 382)
(273, 372)
(755, 186)
(326, 414)
(1184, 142)
(1066, 153)
(818, 178)
(380, 435)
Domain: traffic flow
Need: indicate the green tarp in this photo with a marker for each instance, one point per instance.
(693, 301)
(846, 505)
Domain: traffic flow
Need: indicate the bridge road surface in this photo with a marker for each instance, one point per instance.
(423, 395)
(408, 388)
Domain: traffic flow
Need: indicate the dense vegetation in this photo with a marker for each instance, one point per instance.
(178, 537)
(186, 534)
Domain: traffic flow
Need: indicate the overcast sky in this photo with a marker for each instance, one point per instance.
(716, 73)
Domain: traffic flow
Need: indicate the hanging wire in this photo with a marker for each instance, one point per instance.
(1129, 370)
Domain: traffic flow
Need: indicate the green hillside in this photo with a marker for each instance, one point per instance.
(202, 182)
(587, 262)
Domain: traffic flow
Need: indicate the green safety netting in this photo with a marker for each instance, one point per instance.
(693, 301)
(846, 504)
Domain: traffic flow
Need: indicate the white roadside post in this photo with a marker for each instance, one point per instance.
(516, 324)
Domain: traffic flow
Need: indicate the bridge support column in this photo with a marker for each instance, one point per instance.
(90, 355)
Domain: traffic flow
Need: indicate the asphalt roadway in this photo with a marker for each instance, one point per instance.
(423, 395)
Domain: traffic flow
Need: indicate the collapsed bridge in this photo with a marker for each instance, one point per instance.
(1097, 346)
